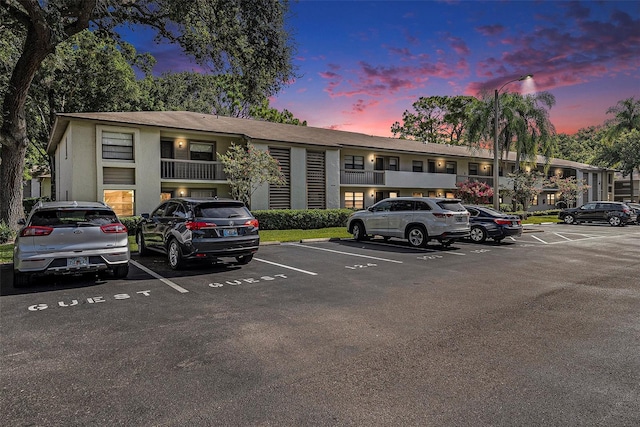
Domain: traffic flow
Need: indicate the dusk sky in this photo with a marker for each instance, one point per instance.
(363, 63)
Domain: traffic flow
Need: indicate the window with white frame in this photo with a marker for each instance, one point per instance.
(354, 162)
(117, 145)
(354, 199)
(551, 198)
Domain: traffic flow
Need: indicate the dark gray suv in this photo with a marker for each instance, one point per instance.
(614, 213)
(204, 229)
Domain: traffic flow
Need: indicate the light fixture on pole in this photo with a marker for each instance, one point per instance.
(496, 165)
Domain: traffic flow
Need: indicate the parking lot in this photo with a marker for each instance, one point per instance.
(538, 330)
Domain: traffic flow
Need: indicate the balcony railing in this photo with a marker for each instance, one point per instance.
(191, 170)
(360, 177)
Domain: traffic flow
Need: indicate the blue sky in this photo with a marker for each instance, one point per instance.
(363, 63)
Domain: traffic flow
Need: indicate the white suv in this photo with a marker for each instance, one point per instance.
(416, 219)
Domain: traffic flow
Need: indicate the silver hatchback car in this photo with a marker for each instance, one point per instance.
(416, 219)
(68, 238)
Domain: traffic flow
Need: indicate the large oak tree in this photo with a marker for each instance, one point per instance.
(246, 38)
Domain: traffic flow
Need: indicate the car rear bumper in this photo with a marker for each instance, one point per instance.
(70, 262)
(505, 232)
(220, 248)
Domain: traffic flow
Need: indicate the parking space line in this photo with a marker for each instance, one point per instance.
(286, 266)
(561, 236)
(345, 253)
(539, 239)
(159, 277)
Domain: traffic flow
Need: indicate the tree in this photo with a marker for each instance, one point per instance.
(247, 168)
(569, 188)
(474, 192)
(437, 119)
(523, 126)
(244, 38)
(526, 185)
(581, 147)
(627, 115)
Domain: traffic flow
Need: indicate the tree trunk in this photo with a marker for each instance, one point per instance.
(11, 168)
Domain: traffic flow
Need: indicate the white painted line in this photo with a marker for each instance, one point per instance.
(560, 235)
(286, 266)
(512, 238)
(453, 253)
(159, 277)
(346, 253)
(539, 239)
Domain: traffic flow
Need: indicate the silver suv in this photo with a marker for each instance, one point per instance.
(416, 219)
(68, 238)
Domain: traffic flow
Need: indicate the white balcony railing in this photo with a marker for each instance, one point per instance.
(191, 170)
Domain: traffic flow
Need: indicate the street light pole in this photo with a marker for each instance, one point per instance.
(496, 164)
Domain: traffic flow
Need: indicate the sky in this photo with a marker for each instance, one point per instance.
(361, 64)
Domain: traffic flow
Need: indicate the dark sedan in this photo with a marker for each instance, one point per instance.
(487, 223)
(199, 229)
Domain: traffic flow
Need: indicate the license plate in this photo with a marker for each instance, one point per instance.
(228, 232)
(81, 261)
(514, 222)
(460, 219)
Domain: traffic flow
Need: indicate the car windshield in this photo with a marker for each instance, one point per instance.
(451, 205)
(493, 212)
(67, 217)
(221, 210)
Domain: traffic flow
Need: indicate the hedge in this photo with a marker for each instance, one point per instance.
(295, 219)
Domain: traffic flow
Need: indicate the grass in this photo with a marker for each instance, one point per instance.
(6, 250)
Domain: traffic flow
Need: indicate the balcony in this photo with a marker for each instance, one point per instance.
(192, 170)
(360, 177)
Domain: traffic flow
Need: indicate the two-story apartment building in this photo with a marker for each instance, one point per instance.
(132, 160)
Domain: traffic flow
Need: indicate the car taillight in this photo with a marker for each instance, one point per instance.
(198, 225)
(627, 211)
(113, 228)
(252, 223)
(502, 221)
(36, 230)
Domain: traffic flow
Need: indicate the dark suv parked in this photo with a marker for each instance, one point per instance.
(199, 229)
(615, 213)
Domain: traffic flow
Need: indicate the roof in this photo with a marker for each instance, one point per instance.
(278, 132)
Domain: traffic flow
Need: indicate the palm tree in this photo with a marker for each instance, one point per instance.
(523, 125)
(627, 115)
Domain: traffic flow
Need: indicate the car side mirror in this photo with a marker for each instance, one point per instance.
(22, 221)
(145, 215)
(370, 208)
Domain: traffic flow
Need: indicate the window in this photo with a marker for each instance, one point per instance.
(535, 200)
(393, 163)
(431, 164)
(201, 151)
(203, 193)
(121, 201)
(417, 166)
(551, 198)
(393, 194)
(353, 199)
(354, 162)
(422, 206)
(382, 207)
(401, 205)
(451, 167)
(473, 169)
(117, 145)
(416, 194)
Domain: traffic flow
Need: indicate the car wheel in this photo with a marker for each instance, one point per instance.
(569, 219)
(417, 236)
(478, 234)
(358, 231)
(121, 271)
(244, 259)
(174, 254)
(615, 221)
(21, 280)
(142, 247)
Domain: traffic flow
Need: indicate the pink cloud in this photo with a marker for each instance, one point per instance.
(490, 30)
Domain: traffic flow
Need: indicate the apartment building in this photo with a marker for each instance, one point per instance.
(133, 160)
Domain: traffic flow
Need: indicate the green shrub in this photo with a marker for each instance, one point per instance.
(29, 202)
(305, 219)
(131, 222)
(6, 233)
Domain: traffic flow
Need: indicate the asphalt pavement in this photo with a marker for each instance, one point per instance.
(538, 330)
